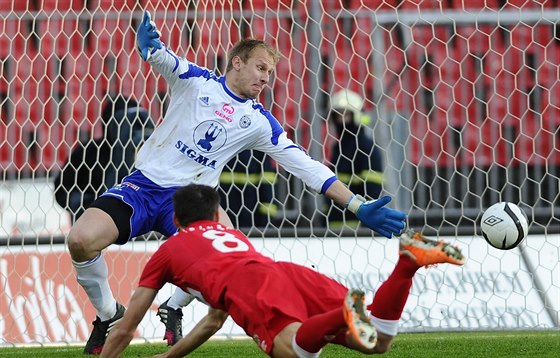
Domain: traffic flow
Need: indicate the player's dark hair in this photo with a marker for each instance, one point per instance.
(195, 202)
(244, 47)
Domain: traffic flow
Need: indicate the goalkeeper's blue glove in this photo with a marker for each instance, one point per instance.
(147, 37)
(376, 216)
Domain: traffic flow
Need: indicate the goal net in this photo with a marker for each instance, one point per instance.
(458, 108)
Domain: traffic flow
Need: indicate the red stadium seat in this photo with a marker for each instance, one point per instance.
(14, 29)
(19, 118)
(56, 112)
(548, 3)
(216, 33)
(427, 146)
(550, 104)
(61, 33)
(422, 5)
(476, 4)
(116, 5)
(172, 19)
(499, 81)
(526, 4)
(373, 4)
(531, 143)
(108, 35)
(62, 5)
(262, 5)
(16, 6)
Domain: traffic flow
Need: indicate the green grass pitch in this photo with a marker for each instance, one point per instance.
(510, 344)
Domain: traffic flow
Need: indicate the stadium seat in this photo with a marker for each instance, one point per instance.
(111, 28)
(526, 4)
(373, 4)
(120, 5)
(550, 105)
(216, 31)
(291, 99)
(14, 31)
(262, 5)
(420, 5)
(548, 3)
(22, 71)
(476, 4)
(176, 19)
(61, 34)
(16, 6)
(531, 143)
(29, 96)
(426, 148)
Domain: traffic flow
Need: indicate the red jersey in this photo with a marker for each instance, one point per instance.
(201, 257)
(261, 295)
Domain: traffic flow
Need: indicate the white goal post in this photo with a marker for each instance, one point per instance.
(462, 99)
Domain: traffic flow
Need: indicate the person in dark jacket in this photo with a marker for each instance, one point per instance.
(247, 190)
(98, 164)
(356, 159)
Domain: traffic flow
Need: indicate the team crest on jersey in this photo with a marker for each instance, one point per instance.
(245, 122)
(209, 136)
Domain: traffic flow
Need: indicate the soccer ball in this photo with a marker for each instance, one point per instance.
(504, 225)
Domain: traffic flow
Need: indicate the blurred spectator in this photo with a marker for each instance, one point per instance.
(98, 164)
(356, 159)
(246, 190)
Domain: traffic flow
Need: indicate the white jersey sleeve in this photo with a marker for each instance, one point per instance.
(168, 64)
(293, 157)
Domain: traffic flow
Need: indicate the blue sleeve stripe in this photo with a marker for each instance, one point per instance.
(197, 71)
(327, 184)
(277, 129)
(176, 59)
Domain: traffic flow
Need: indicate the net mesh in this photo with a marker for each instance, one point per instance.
(461, 102)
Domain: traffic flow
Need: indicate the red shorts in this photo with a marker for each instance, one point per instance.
(263, 298)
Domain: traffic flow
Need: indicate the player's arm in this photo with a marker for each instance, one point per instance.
(154, 51)
(148, 37)
(203, 330)
(372, 213)
(123, 332)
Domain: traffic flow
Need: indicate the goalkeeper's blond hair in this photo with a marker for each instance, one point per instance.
(243, 48)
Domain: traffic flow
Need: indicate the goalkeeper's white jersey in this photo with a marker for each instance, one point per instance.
(206, 125)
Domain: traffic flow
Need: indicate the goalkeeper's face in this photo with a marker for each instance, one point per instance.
(248, 79)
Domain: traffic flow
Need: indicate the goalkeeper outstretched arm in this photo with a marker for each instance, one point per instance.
(153, 50)
(148, 37)
(372, 213)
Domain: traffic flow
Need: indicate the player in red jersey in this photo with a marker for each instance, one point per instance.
(289, 310)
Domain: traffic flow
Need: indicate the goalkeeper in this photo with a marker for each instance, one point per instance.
(210, 119)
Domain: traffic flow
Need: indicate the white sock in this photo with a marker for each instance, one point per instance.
(302, 353)
(179, 299)
(386, 326)
(93, 275)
